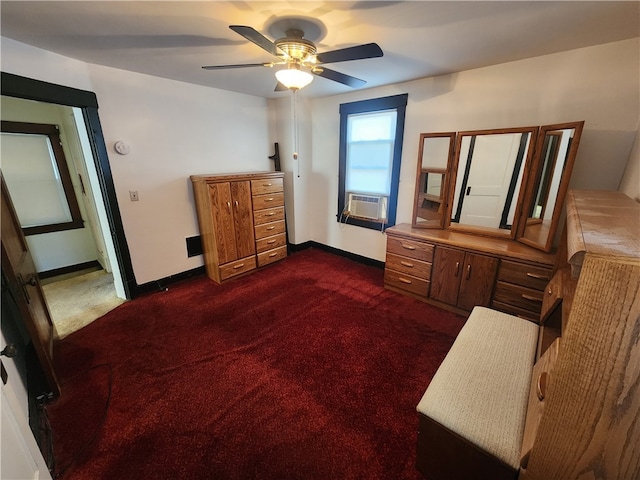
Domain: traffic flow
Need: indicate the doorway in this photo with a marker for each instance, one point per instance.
(80, 109)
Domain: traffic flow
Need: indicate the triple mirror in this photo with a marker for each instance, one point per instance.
(508, 183)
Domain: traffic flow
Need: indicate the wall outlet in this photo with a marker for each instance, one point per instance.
(133, 195)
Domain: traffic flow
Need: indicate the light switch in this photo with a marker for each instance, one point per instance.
(133, 195)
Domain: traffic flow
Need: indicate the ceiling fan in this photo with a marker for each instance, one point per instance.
(301, 58)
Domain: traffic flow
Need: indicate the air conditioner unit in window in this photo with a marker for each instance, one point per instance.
(365, 206)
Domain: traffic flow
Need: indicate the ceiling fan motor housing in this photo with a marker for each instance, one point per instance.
(295, 47)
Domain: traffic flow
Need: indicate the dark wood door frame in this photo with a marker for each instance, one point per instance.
(31, 89)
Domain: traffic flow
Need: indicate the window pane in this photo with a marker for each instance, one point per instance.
(30, 170)
(369, 167)
(372, 126)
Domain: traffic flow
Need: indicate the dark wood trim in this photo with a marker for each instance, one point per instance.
(53, 133)
(70, 269)
(352, 256)
(162, 284)
(22, 87)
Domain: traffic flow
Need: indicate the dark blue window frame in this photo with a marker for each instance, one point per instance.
(394, 102)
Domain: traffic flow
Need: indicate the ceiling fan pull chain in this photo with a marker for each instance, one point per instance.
(296, 139)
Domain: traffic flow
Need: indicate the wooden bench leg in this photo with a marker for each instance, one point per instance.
(444, 455)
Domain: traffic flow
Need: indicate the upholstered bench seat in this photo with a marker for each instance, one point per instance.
(481, 389)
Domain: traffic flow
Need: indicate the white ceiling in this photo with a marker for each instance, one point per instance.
(173, 39)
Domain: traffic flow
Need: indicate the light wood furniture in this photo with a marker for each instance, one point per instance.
(582, 395)
(458, 271)
(241, 218)
(589, 427)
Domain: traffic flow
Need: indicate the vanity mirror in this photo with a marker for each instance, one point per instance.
(435, 154)
(551, 171)
(487, 180)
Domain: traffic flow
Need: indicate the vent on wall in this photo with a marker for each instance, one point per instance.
(365, 206)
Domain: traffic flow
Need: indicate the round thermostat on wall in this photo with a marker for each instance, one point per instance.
(121, 147)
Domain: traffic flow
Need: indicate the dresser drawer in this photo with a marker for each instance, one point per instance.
(268, 215)
(410, 248)
(232, 269)
(261, 202)
(269, 243)
(521, 297)
(269, 229)
(408, 283)
(410, 266)
(529, 276)
(266, 185)
(271, 256)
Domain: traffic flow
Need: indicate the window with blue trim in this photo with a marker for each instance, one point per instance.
(371, 133)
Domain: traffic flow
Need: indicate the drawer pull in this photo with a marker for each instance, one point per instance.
(271, 228)
(240, 265)
(538, 276)
(457, 269)
(267, 184)
(541, 385)
(268, 199)
(408, 247)
(270, 214)
(271, 255)
(468, 271)
(404, 280)
(269, 242)
(550, 292)
(406, 264)
(229, 206)
(530, 297)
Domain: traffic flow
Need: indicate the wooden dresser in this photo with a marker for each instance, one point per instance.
(458, 271)
(587, 425)
(242, 224)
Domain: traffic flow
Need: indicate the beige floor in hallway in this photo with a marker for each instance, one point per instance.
(79, 300)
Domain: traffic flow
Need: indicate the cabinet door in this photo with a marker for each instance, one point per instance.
(243, 218)
(223, 225)
(478, 276)
(445, 275)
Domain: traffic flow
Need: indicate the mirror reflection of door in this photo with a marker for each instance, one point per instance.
(543, 186)
(489, 175)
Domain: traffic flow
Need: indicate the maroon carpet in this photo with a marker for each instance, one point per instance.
(308, 369)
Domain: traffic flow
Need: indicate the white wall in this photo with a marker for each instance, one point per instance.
(174, 130)
(596, 84)
(630, 183)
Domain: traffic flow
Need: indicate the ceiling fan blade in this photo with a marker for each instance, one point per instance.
(256, 37)
(240, 65)
(341, 78)
(280, 87)
(369, 50)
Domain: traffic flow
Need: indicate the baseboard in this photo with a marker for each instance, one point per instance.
(336, 251)
(163, 283)
(70, 269)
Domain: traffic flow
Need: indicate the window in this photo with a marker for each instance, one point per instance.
(37, 175)
(371, 134)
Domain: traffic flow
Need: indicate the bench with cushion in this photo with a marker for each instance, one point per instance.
(472, 415)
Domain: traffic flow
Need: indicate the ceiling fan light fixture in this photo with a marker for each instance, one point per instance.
(293, 78)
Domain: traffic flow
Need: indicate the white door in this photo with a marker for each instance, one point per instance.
(494, 157)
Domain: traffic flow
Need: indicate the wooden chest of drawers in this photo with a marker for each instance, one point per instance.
(242, 221)
(457, 271)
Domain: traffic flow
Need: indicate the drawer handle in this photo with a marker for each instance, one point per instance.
(530, 297)
(408, 247)
(267, 184)
(457, 269)
(268, 199)
(406, 264)
(550, 292)
(271, 228)
(270, 214)
(404, 280)
(541, 385)
(271, 255)
(269, 242)
(468, 271)
(229, 206)
(240, 265)
(537, 276)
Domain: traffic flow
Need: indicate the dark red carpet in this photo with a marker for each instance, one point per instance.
(308, 369)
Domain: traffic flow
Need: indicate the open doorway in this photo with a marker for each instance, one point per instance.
(79, 110)
(51, 175)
